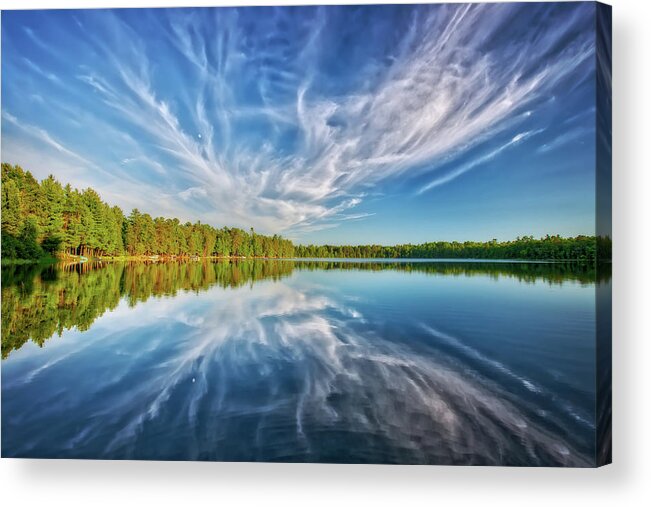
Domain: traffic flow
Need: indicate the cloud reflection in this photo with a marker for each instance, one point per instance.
(282, 372)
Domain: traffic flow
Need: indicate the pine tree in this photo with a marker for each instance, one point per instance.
(11, 208)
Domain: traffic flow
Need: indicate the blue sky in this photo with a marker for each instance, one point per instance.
(350, 124)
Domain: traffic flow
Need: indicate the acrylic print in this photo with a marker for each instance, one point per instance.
(338, 234)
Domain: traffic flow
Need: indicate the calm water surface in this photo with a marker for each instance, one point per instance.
(428, 362)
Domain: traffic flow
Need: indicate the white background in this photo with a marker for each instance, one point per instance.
(626, 482)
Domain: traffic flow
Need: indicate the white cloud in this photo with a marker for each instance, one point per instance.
(565, 138)
(43, 136)
(441, 92)
(193, 193)
(487, 157)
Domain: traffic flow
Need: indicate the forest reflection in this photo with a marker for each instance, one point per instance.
(39, 302)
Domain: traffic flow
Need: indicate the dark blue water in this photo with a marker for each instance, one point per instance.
(429, 363)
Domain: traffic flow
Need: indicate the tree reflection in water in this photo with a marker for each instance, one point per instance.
(39, 302)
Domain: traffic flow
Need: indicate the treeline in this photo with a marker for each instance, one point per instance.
(40, 218)
(582, 248)
(46, 218)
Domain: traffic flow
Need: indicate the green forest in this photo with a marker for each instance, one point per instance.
(583, 248)
(48, 219)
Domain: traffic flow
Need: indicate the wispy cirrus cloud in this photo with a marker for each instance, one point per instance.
(38, 70)
(487, 157)
(43, 136)
(565, 138)
(254, 116)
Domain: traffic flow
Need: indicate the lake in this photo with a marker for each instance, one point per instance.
(475, 363)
